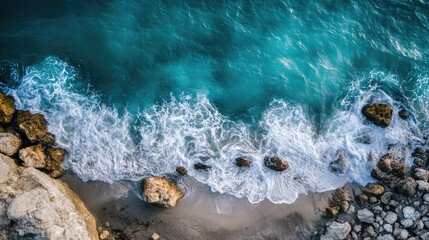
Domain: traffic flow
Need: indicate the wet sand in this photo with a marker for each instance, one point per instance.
(202, 214)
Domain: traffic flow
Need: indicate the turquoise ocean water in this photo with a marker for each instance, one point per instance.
(136, 88)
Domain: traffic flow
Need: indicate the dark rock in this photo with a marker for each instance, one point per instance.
(362, 198)
(419, 152)
(34, 126)
(385, 163)
(376, 173)
(339, 165)
(181, 170)
(243, 162)
(7, 108)
(407, 187)
(398, 168)
(419, 162)
(201, 166)
(403, 114)
(55, 158)
(275, 163)
(378, 113)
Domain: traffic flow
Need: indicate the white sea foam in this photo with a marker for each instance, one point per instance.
(110, 146)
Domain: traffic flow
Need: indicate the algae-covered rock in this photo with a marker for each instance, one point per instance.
(34, 126)
(275, 163)
(7, 108)
(379, 114)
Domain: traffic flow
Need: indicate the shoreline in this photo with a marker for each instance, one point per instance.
(200, 213)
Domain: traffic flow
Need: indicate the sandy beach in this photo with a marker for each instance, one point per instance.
(202, 214)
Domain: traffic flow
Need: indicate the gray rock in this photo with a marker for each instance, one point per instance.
(406, 223)
(385, 237)
(409, 213)
(393, 203)
(419, 225)
(403, 234)
(336, 230)
(388, 228)
(354, 236)
(391, 217)
(422, 186)
(383, 214)
(365, 215)
(421, 174)
(370, 231)
(424, 236)
(377, 209)
(426, 198)
(9, 143)
(357, 228)
(386, 197)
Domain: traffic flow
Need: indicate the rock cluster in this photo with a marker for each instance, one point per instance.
(24, 135)
(397, 207)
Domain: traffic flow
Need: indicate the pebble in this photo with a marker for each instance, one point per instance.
(386, 237)
(106, 224)
(154, 236)
(422, 185)
(394, 203)
(388, 228)
(426, 198)
(404, 234)
(357, 228)
(104, 235)
(409, 212)
(365, 215)
(386, 197)
(406, 223)
(391, 217)
(377, 209)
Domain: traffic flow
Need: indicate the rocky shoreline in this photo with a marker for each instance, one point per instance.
(396, 206)
(34, 204)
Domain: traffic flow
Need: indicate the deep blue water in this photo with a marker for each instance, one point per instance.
(133, 88)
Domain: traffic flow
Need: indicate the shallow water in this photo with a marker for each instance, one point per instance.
(137, 88)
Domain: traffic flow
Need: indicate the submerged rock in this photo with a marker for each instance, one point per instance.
(161, 191)
(7, 108)
(34, 126)
(419, 152)
(181, 170)
(33, 156)
(403, 114)
(201, 166)
(243, 162)
(379, 114)
(339, 165)
(9, 143)
(275, 163)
